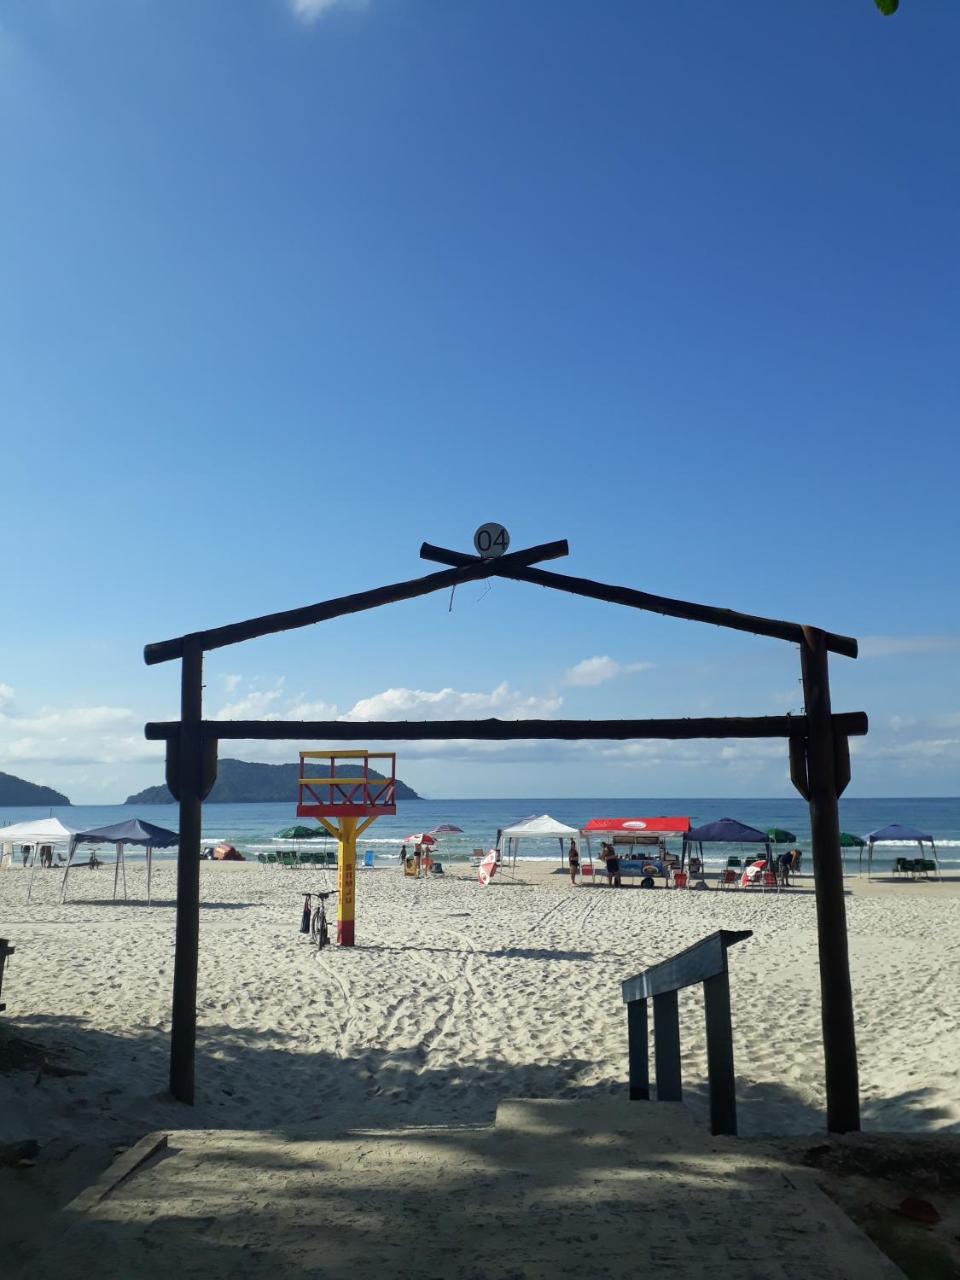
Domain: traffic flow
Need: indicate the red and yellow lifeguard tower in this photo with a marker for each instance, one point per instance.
(346, 801)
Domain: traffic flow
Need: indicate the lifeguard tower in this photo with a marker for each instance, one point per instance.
(346, 801)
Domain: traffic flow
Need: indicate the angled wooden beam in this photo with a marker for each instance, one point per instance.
(670, 608)
(853, 723)
(289, 619)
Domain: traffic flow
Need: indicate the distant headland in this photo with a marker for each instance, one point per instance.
(18, 791)
(241, 781)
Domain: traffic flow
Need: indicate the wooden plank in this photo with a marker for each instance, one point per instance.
(638, 1050)
(723, 1086)
(118, 1172)
(839, 1036)
(851, 722)
(780, 630)
(841, 761)
(289, 619)
(666, 1047)
(798, 766)
(695, 964)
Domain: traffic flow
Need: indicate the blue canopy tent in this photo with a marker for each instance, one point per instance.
(907, 834)
(723, 831)
(133, 831)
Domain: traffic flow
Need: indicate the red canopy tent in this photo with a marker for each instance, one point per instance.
(640, 826)
(635, 831)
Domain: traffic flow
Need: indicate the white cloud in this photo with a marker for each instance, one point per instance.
(311, 10)
(300, 710)
(592, 671)
(256, 704)
(452, 704)
(271, 703)
(897, 646)
(71, 736)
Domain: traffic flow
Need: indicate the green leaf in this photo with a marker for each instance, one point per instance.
(887, 7)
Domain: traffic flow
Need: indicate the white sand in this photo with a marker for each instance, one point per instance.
(455, 997)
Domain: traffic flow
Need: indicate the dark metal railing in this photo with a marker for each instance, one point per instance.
(5, 950)
(705, 962)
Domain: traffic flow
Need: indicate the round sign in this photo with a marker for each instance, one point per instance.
(491, 540)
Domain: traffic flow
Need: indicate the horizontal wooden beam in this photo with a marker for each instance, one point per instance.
(852, 723)
(289, 619)
(670, 608)
(705, 959)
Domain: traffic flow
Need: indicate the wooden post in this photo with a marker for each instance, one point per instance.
(346, 882)
(839, 1038)
(183, 1033)
(723, 1089)
(637, 1047)
(666, 1046)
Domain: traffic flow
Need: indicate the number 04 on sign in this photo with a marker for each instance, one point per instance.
(491, 540)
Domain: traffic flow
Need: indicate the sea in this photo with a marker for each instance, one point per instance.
(254, 828)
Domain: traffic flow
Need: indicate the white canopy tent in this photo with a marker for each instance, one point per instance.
(37, 832)
(535, 828)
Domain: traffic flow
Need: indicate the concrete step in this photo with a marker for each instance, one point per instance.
(601, 1191)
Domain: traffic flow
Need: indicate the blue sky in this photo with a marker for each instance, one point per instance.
(288, 287)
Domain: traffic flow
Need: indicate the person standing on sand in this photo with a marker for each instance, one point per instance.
(612, 864)
(403, 855)
(573, 858)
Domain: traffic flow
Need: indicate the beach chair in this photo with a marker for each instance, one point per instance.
(735, 863)
(477, 857)
(728, 878)
(905, 867)
(769, 880)
(368, 858)
(288, 858)
(680, 880)
(271, 859)
(262, 859)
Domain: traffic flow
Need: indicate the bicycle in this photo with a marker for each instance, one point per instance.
(314, 919)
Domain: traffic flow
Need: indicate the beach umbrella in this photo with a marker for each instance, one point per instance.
(300, 833)
(847, 841)
(421, 837)
(777, 835)
(445, 829)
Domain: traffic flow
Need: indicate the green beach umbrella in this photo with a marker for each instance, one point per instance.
(777, 835)
(847, 841)
(300, 833)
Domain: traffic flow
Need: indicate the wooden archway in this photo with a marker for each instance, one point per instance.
(818, 747)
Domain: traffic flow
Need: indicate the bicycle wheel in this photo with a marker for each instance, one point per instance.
(319, 934)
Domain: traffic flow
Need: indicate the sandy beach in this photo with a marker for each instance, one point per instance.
(455, 997)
